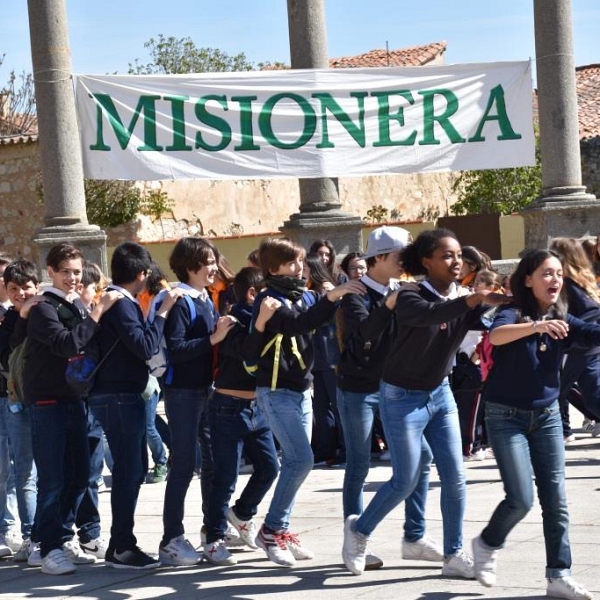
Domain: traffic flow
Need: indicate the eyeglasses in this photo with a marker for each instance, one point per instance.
(357, 268)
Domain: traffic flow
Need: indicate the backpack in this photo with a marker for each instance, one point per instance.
(82, 368)
(309, 299)
(17, 360)
(16, 370)
(158, 364)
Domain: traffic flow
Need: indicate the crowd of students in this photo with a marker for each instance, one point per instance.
(260, 361)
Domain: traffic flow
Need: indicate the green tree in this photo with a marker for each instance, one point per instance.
(497, 191)
(172, 55)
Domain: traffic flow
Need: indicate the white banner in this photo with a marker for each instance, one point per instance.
(306, 123)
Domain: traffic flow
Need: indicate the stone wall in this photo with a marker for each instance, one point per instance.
(222, 208)
(21, 211)
(590, 163)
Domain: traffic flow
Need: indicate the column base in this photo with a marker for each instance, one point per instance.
(569, 215)
(342, 229)
(90, 239)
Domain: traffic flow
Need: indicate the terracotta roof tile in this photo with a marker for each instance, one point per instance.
(7, 140)
(588, 101)
(404, 57)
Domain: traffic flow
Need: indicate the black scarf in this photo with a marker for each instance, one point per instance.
(289, 287)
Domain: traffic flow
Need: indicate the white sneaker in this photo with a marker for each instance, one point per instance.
(57, 563)
(76, 555)
(460, 565)
(354, 549)
(372, 561)
(423, 549)
(596, 430)
(232, 537)
(179, 552)
(484, 561)
(22, 554)
(298, 552)
(217, 554)
(35, 557)
(14, 539)
(95, 547)
(275, 545)
(4, 547)
(247, 530)
(567, 587)
(588, 425)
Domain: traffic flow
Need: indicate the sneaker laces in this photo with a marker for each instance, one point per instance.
(291, 538)
(281, 539)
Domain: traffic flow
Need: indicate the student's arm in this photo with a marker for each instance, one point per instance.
(6, 331)
(290, 321)
(415, 311)
(505, 328)
(45, 327)
(363, 324)
(126, 319)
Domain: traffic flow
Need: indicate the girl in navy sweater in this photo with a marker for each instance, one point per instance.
(523, 420)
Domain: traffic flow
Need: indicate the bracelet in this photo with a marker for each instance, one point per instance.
(534, 324)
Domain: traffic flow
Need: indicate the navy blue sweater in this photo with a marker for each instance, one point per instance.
(49, 344)
(429, 334)
(125, 370)
(299, 321)
(582, 306)
(233, 351)
(367, 327)
(524, 375)
(190, 350)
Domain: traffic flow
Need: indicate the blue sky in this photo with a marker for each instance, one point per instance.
(106, 36)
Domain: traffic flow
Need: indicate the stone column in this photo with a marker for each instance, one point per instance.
(564, 208)
(60, 154)
(320, 213)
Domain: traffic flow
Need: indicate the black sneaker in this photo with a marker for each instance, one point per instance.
(134, 558)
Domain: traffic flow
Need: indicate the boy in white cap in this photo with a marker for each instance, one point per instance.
(366, 327)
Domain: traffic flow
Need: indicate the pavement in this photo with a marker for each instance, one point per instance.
(317, 518)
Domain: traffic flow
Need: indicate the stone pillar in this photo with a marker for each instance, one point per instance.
(564, 208)
(320, 213)
(60, 154)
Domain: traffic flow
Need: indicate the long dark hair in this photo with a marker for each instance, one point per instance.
(423, 247)
(523, 297)
(318, 272)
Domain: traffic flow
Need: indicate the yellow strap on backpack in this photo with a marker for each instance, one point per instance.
(277, 340)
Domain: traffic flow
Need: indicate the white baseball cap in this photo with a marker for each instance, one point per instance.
(386, 239)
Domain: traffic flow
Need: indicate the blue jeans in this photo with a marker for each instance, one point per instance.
(357, 413)
(289, 415)
(155, 442)
(236, 423)
(88, 517)
(123, 418)
(8, 497)
(18, 433)
(61, 453)
(407, 416)
(524, 441)
(186, 412)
